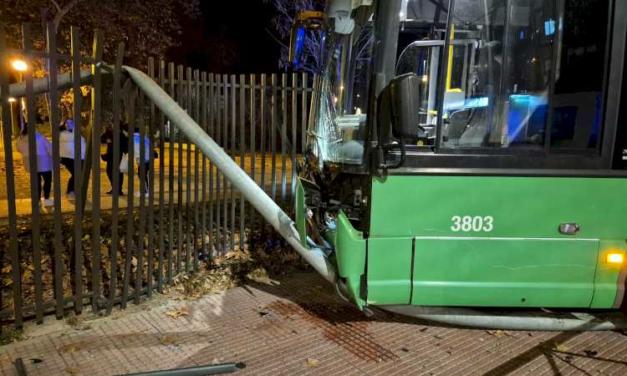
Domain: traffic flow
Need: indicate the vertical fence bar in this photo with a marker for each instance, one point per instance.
(53, 95)
(188, 178)
(304, 118)
(140, 130)
(162, 221)
(225, 182)
(150, 173)
(212, 126)
(96, 99)
(196, 107)
(205, 126)
(77, 260)
(294, 118)
(233, 152)
(10, 182)
(130, 219)
(284, 139)
(264, 138)
(171, 258)
(263, 134)
(273, 132)
(218, 133)
(253, 133)
(181, 101)
(34, 177)
(115, 182)
(242, 156)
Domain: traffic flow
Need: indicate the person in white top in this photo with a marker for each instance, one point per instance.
(43, 149)
(67, 152)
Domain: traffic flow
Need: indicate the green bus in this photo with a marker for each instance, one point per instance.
(469, 153)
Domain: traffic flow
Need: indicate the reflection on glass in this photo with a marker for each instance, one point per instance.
(338, 131)
(499, 71)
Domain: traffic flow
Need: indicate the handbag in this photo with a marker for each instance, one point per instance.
(124, 164)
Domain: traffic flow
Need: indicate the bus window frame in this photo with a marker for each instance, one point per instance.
(543, 158)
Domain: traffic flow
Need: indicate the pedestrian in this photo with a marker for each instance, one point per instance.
(68, 154)
(43, 149)
(146, 162)
(108, 157)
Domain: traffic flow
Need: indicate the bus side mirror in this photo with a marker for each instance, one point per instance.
(404, 92)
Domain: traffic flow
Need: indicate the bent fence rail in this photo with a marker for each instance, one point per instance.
(177, 212)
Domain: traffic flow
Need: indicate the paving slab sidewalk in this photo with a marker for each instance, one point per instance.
(297, 326)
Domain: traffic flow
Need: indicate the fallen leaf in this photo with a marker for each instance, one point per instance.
(72, 371)
(179, 312)
(69, 348)
(311, 362)
(499, 333)
(561, 348)
(167, 340)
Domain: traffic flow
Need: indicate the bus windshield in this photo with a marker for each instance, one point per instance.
(337, 132)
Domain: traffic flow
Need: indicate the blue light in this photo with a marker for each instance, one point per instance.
(549, 27)
(300, 45)
(479, 102)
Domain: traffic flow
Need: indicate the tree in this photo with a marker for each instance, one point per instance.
(286, 11)
(148, 28)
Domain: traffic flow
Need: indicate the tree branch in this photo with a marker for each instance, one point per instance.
(276, 39)
(62, 12)
(56, 5)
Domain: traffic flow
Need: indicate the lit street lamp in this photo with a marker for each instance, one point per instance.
(19, 65)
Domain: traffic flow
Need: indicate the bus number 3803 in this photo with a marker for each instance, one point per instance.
(469, 223)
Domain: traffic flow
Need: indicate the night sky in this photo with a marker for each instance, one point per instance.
(231, 37)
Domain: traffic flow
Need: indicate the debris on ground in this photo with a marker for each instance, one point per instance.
(178, 312)
(312, 362)
(499, 333)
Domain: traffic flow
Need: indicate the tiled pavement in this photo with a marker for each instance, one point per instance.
(297, 326)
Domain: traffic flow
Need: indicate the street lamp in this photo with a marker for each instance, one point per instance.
(19, 65)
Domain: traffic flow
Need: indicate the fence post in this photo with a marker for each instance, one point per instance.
(171, 137)
(162, 220)
(34, 178)
(273, 132)
(96, 99)
(129, 243)
(10, 182)
(77, 260)
(115, 191)
(140, 124)
(253, 141)
(242, 145)
(294, 119)
(284, 139)
(213, 120)
(205, 126)
(196, 114)
(233, 153)
(51, 47)
(151, 186)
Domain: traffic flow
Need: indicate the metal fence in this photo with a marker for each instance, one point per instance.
(177, 211)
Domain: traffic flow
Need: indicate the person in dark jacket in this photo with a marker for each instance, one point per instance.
(107, 138)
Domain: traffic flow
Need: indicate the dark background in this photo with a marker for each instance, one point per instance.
(231, 36)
